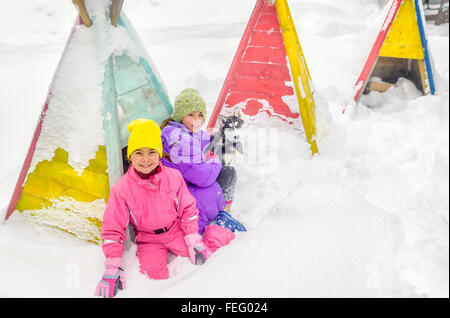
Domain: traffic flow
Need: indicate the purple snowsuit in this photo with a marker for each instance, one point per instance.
(186, 155)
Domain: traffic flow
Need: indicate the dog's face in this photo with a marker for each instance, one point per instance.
(231, 125)
(231, 128)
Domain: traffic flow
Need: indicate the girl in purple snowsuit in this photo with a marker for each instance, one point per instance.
(184, 144)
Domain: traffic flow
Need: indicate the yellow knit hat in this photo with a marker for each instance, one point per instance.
(144, 133)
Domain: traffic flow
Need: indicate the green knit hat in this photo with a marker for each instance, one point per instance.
(189, 100)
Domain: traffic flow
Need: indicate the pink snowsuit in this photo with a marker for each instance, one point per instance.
(162, 211)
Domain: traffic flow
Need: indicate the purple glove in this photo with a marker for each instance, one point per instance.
(112, 279)
(198, 252)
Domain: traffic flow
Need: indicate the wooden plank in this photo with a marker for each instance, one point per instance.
(422, 78)
(79, 4)
(389, 69)
(380, 86)
(114, 11)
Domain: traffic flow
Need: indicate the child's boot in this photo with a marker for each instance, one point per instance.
(225, 220)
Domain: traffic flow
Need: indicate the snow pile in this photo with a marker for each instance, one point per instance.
(74, 119)
(67, 214)
(396, 98)
(366, 217)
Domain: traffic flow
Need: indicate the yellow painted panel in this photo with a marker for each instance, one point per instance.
(43, 187)
(61, 155)
(93, 182)
(300, 72)
(99, 163)
(95, 221)
(403, 39)
(54, 193)
(47, 188)
(62, 173)
(30, 202)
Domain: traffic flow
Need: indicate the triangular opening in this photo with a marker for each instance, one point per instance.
(400, 50)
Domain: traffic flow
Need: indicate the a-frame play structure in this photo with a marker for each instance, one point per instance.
(400, 50)
(67, 173)
(268, 77)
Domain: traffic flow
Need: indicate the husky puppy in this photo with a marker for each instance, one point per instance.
(226, 140)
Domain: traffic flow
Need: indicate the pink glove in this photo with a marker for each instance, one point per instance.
(112, 279)
(198, 252)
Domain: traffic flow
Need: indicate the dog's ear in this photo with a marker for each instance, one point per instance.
(222, 119)
(238, 113)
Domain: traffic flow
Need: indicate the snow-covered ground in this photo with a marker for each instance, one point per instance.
(367, 217)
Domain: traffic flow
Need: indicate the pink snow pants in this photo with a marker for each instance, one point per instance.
(153, 256)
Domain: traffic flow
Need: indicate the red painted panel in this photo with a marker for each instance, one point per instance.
(26, 165)
(265, 38)
(252, 107)
(261, 86)
(262, 54)
(263, 71)
(235, 63)
(269, 8)
(267, 22)
(259, 75)
(254, 104)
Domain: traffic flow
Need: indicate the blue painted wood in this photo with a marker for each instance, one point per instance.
(425, 46)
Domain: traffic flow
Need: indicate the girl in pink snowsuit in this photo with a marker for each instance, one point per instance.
(158, 204)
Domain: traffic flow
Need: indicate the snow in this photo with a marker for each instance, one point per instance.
(366, 217)
(74, 110)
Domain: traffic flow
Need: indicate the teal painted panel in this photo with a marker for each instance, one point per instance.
(152, 109)
(138, 99)
(157, 86)
(121, 22)
(131, 90)
(129, 77)
(139, 94)
(145, 62)
(111, 125)
(136, 95)
(123, 61)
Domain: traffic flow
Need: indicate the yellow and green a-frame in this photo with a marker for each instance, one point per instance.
(54, 191)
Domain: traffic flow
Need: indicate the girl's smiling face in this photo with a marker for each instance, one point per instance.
(144, 160)
(193, 121)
